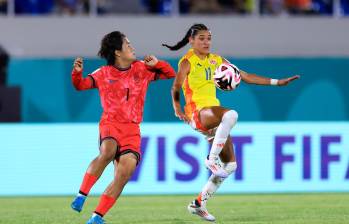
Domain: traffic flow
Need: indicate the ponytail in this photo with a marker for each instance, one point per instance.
(193, 31)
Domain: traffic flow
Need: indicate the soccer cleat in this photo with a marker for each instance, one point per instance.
(215, 166)
(78, 202)
(195, 208)
(95, 219)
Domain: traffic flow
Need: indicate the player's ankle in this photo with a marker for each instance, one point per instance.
(197, 203)
(81, 195)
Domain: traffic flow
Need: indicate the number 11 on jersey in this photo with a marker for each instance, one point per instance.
(208, 73)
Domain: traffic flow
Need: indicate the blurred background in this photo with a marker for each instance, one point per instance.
(289, 139)
(174, 7)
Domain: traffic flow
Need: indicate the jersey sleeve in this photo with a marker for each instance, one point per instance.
(162, 70)
(89, 82)
(96, 76)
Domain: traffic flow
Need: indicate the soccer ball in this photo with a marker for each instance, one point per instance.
(227, 77)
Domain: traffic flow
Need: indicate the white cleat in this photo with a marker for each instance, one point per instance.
(216, 168)
(195, 209)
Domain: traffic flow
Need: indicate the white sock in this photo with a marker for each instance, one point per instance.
(210, 188)
(81, 195)
(229, 119)
(214, 182)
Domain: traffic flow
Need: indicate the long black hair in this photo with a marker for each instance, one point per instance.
(192, 32)
(109, 44)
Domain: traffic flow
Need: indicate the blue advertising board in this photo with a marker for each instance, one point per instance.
(50, 159)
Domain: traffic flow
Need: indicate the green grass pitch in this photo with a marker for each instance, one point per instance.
(249, 209)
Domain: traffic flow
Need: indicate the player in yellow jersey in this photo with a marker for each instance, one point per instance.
(203, 111)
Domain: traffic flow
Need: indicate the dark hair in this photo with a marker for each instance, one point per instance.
(192, 32)
(109, 44)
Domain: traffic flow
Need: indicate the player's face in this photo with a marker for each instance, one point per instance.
(202, 42)
(127, 52)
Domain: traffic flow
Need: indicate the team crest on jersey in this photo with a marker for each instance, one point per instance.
(213, 62)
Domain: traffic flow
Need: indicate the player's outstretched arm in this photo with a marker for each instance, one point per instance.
(183, 71)
(260, 80)
(79, 82)
(162, 69)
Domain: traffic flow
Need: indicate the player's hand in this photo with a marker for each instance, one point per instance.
(78, 64)
(182, 116)
(286, 81)
(150, 60)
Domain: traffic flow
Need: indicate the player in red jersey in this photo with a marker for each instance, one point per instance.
(122, 85)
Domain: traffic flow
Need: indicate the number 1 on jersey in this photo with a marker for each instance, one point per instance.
(127, 93)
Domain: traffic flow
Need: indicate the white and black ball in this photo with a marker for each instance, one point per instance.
(227, 77)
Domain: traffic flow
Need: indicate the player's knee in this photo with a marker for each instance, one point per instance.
(230, 118)
(106, 155)
(107, 150)
(123, 176)
(231, 167)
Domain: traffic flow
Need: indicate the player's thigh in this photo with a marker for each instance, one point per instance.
(125, 166)
(211, 117)
(227, 154)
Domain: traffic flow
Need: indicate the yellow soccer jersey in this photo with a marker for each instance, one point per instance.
(198, 88)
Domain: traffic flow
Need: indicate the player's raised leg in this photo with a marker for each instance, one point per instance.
(198, 206)
(124, 169)
(225, 120)
(94, 171)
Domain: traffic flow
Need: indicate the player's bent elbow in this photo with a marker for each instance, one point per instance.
(176, 87)
(172, 75)
(78, 88)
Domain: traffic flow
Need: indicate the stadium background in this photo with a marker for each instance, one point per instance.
(288, 140)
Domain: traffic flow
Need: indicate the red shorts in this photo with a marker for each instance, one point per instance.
(127, 136)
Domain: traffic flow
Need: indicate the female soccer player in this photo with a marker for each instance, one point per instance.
(203, 111)
(122, 86)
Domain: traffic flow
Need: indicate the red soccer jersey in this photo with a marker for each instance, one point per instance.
(123, 91)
